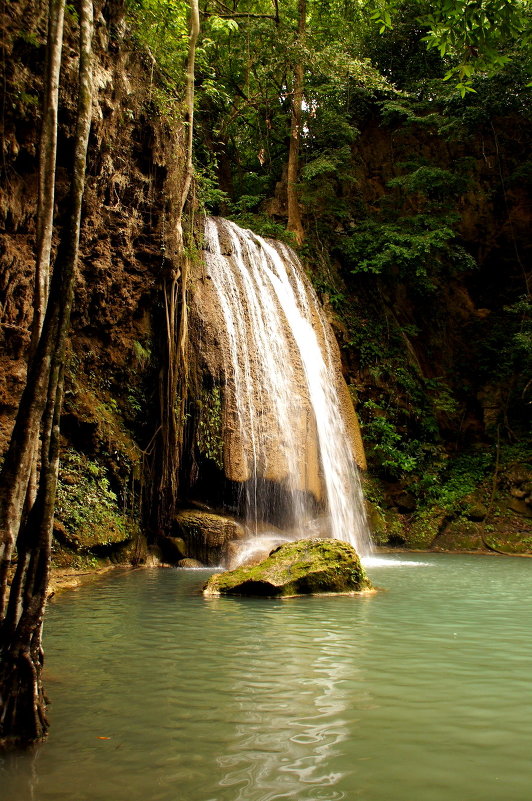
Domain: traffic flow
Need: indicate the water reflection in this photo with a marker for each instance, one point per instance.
(418, 692)
(293, 724)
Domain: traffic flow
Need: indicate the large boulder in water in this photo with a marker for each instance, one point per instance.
(303, 567)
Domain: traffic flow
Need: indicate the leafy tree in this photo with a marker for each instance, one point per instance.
(473, 36)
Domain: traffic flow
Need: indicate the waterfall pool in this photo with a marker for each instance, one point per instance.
(421, 692)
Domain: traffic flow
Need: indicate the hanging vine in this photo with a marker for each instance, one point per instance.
(174, 378)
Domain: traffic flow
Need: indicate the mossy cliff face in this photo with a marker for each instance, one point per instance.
(482, 505)
(304, 567)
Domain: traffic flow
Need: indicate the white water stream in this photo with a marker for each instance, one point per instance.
(283, 381)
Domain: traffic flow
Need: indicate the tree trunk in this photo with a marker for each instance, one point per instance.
(47, 161)
(46, 195)
(294, 213)
(173, 397)
(22, 702)
(18, 477)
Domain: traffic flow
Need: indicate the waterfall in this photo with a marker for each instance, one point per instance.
(287, 418)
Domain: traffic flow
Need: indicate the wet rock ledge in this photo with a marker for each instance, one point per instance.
(303, 567)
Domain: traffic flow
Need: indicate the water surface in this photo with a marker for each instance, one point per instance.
(419, 693)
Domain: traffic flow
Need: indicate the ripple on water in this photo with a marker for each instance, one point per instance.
(418, 692)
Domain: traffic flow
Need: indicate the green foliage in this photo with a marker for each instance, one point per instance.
(475, 33)
(388, 448)
(24, 101)
(404, 111)
(418, 249)
(29, 38)
(521, 311)
(210, 434)
(435, 184)
(261, 224)
(142, 354)
(470, 36)
(71, 13)
(326, 163)
(522, 174)
(86, 505)
(210, 195)
(449, 481)
(161, 28)
(504, 359)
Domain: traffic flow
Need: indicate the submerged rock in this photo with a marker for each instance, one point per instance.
(303, 567)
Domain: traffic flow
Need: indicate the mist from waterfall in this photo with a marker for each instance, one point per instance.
(281, 387)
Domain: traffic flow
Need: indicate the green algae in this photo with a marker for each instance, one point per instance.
(303, 567)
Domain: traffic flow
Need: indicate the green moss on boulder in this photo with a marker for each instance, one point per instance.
(304, 567)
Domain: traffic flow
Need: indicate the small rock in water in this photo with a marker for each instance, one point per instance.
(190, 563)
(303, 567)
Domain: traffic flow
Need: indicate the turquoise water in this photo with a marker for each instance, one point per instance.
(420, 693)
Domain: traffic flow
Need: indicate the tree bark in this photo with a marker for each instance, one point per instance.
(294, 212)
(22, 701)
(18, 480)
(47, 162)
(172, 402)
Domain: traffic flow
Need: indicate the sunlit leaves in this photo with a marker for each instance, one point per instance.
(474, 36)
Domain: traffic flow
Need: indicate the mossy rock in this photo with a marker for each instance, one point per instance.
(422, 531)
(304, 567)
(206, 534)
(461, 535)
(475, 511)
(211, 529)
(377, 523)
(173, 549)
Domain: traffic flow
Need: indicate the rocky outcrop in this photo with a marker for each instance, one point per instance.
(206, 535)
(303, 567)
(210, 356)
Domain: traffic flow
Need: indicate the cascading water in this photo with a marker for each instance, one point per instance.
(286, 440)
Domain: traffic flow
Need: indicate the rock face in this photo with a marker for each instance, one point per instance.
(212, 347)
(303, 567)
(272, 426)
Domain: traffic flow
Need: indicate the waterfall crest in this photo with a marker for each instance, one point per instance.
(288, 429)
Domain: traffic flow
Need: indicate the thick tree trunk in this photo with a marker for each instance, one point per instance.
(22, 701)
(294, 212)
(18, 477)
(23, 712)
(20, 454)
(45, 204)
(47, 161)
